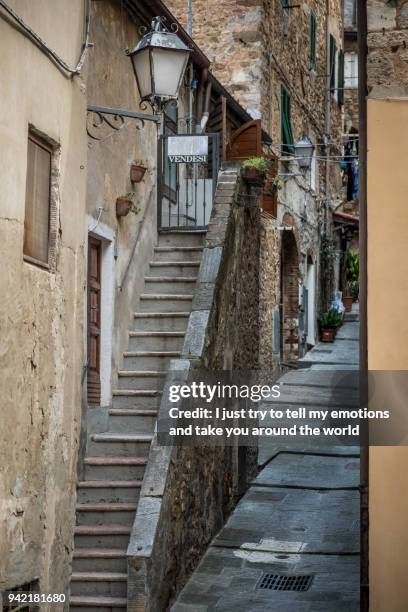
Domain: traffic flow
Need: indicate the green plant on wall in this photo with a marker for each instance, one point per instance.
(260, 163)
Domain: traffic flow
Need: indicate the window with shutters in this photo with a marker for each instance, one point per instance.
(340, 78)
(40, 224)
(313, 29)
(333, 53)
(286, 123)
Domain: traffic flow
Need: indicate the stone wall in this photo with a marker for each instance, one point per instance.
(188, 492)
(256, 48)
(41, 357)
(387, 38)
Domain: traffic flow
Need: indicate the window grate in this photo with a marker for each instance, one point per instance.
(279, 582)
(24, 605)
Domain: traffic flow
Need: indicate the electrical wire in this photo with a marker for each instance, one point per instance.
(51, 54)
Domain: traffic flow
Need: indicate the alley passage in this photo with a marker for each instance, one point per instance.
(298, 523)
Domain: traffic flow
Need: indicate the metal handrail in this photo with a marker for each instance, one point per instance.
(149, 200)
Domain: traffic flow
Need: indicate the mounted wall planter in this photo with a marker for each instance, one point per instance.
(137, 173)
(123, 206)
(253, 176)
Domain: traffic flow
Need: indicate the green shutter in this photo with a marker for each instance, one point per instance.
(340, 94)
(313, 28)
(286, 125)
(333, 50)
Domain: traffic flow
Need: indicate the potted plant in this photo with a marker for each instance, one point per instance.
(352, 276)
(348, 299)
(329, 322)
(125, 204)
(254, 170)
(137, 172)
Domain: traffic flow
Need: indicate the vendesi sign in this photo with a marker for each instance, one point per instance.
(187, 149)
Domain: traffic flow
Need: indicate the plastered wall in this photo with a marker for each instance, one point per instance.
(387, 329)
(40, 311)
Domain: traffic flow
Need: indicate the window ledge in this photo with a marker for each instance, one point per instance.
(36, 262)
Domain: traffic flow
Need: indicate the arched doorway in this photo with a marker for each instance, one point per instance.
(289, 296)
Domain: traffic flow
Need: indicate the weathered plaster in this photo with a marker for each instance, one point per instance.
(41, 353)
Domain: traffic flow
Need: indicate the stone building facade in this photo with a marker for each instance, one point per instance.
(252, 46)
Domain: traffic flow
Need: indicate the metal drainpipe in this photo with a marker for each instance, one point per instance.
(362, 151)
(191, 72)
(327, 127)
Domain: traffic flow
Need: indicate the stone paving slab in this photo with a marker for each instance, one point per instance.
(269, 449)
(349, 331)
(227, 581)
(296, 394)
(310, 471)
(339, 377)
(275, 519)
(343, 353)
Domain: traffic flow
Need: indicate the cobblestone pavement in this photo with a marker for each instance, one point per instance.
(300, 516)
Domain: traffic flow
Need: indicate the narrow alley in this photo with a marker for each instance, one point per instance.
(292, 543)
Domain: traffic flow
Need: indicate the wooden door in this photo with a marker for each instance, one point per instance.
(246, 142)
(94, 320)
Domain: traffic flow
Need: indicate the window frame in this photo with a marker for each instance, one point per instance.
(340, 78)
(313, 41)
(50, 146)
(333, 71)
(287, 140)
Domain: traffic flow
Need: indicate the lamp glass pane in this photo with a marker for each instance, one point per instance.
(141, 65)
(168, 68)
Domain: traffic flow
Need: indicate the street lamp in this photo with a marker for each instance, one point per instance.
(159, 62)
(304, 152)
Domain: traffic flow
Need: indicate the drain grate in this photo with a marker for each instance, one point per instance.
(279, 582)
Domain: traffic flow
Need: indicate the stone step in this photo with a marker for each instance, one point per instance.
(177, 253)
(351, 316)
(97, 584)
(115, 468)
(169, 284)
(166, 302)
(123, 420)
(136, 398)
(120, 444)
(173, 268)
(108, 491)
(185, 238)
(156, 340)
(99, 559)
(141, 379)
(99, 604)
(103, 513)
(149, 360)
(161, 321)
(102, 536)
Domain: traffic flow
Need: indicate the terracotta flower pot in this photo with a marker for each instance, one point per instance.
(347, 302)
(123, 206)
(253, 176)
(137, 173)
(327, 335)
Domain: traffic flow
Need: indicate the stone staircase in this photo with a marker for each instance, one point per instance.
(115, 459)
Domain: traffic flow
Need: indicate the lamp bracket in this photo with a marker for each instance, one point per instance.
(102, 117)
